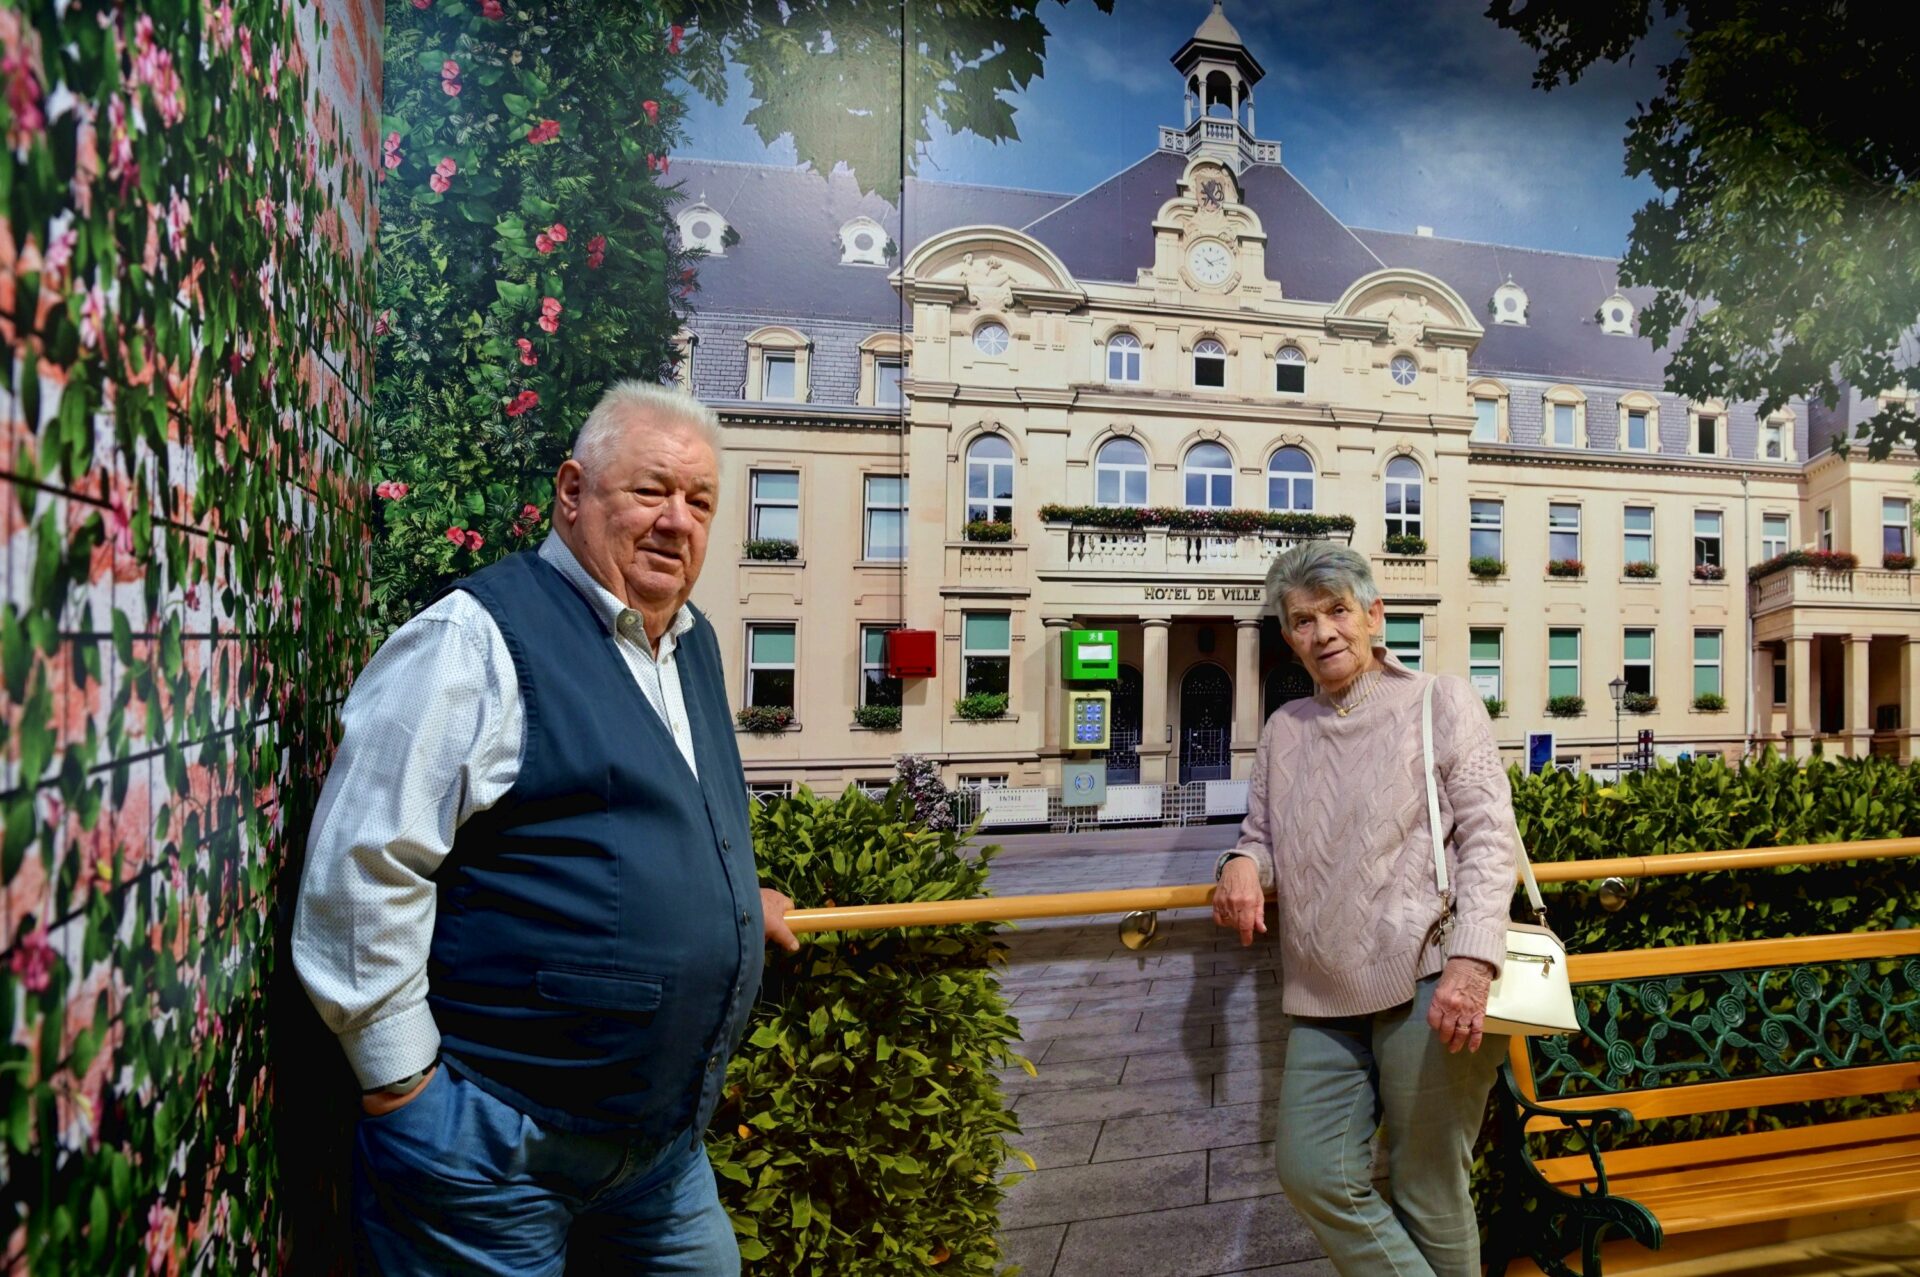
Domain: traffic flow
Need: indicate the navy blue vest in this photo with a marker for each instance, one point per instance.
(598, 941)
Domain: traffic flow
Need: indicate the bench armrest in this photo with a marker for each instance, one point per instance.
(1586, 1122)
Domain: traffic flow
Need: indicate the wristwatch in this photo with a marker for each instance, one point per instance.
(1220, 865)
(404, 1085)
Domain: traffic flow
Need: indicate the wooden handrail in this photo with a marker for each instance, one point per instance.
(1741, 955)
(1071, 904)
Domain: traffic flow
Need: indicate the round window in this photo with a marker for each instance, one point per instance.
(1509, 304)
(863, 242)
(1619, 316)
(990, 339)
(1404, 370)
(701, 229)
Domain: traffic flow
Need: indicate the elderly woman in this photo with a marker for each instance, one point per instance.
(1386, 990)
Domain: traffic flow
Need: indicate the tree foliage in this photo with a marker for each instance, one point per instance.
(838, 76)
(1784, 246)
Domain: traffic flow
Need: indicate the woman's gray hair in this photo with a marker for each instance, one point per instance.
(641, 405)
(1320, 567)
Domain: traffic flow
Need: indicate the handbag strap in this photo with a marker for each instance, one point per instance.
(1433, 815)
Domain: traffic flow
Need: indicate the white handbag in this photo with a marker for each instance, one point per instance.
(1533, 995)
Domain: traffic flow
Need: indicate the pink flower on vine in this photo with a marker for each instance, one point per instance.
(390, 151)
(121, 166)
(557, 233)
(296, 224)
(119, 521)
(245, 35)
(658, 163)
(475, 540)
(674, 33)
(23, 95)
(652, 109)
(492, 9)
(527, 356)
(596, 251)
(543, 242)
(178, 215)
(550, 314)
(530, 512)
(443, 174)
(274, 63)
(93, 318)
(159, 1238)
(450, 78)
(383, 325)
(60, 252)
(263, 209)
(422, 4)
(33, 960)
(220, 28)
(524, 402)
(545, 131)
(391, 490)
(457, 535)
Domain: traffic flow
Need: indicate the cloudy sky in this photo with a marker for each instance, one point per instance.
(1396, 113)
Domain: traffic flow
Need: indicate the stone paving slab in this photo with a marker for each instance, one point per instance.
(1245, 1170)
(1054, 1077)
(1033, 1249)
(1051, 1146)
(1104, 1189)
(1184, 1129)
(1204, 1060)
(1190, 1241)
(1051, 1108)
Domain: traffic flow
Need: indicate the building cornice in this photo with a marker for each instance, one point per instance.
(806, 416)
(1638, 462)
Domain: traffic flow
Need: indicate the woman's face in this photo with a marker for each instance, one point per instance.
(1331, 634)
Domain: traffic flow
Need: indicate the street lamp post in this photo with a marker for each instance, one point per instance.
(1616, 689)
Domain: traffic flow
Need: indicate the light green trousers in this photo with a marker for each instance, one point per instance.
(1345, 1079)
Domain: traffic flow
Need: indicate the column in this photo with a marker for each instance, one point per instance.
(1153, 700)
(1800, 696)
(1246, 694)
(1859, 648)
(1762, 696)
(1250, 132)
(1056, 699)
(1186, 102)
(1909, 699)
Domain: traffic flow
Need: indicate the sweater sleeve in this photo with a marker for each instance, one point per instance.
(1484, 837)
(1255, 839)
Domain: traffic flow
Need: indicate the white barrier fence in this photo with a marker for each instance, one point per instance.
(1040, 807)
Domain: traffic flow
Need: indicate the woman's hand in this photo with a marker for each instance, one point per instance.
(379, 1104)
(1459, 1010)
(1238, 902)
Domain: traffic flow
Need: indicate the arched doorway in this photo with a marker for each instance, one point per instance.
(1287, 681)
(1123, 753)
(1206, 724)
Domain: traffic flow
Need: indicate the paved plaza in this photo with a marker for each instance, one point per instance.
(1152, 1116)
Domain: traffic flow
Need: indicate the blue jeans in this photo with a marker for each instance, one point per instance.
(457, 1181)
(1346, 1079)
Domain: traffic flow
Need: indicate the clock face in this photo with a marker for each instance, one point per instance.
(1210, 262)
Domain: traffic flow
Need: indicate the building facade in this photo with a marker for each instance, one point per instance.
(1002, 415)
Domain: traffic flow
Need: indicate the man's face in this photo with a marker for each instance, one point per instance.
(640, 521)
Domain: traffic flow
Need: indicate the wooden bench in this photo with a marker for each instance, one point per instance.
(1703, 1029)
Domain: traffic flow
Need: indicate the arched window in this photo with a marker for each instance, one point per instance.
(1123, 358)
(990, 480)
(1120, 474)
(1209, 365)
(1290, 480)
(1403, 497)
(1209, 475)
(1290, 371)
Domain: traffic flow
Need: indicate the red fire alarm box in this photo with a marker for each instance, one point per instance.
(910, 653)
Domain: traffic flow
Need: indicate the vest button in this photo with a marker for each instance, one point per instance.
(746, 918)
(726, 844)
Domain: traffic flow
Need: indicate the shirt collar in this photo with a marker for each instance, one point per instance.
(605, 606)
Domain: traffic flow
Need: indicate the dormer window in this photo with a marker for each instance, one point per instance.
(1290, 371)
(1616, 316)
(1209, 365)
(702, 228)
(863, 243)
(1510, 304)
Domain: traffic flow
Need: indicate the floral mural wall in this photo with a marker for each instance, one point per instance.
(186, 306)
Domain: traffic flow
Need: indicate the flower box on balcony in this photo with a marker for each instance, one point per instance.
(1709, 572)
(771, 550)
(1486, 567)
(1406, 544)
(1133, 518)
(1818, 560)
(1495, 706)
(1566, 706)
(982, 705)
(1897, 563)
(1566, 567)
(989, 531)
(764, 719)
(1642, 571)
(1710, 702)
(1639, 703)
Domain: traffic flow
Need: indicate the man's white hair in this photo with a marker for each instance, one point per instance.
(641, 405)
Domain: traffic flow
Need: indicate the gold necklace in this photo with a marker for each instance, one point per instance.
(1356, 702)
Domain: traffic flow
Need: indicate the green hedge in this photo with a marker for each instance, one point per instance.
(863, 1128)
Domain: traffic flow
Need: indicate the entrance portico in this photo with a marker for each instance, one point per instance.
(1836, 662)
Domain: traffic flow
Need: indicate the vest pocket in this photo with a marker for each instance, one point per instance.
(633, 994)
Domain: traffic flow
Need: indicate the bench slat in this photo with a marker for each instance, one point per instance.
(1740, 955)
(1758, 1092)
(1700, 1158)
(1783, 1192)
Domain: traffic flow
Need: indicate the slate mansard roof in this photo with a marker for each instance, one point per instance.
(786, 265)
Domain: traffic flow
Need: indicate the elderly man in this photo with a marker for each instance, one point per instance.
(531, 866)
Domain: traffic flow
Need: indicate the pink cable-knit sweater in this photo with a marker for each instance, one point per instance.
(1337, 815)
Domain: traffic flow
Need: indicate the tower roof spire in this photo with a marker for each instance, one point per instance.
(1216, 44)
(1216, 29)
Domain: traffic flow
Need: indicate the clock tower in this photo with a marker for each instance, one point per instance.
(1218, 76)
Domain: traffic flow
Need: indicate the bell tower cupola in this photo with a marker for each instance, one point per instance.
(1218, 77)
